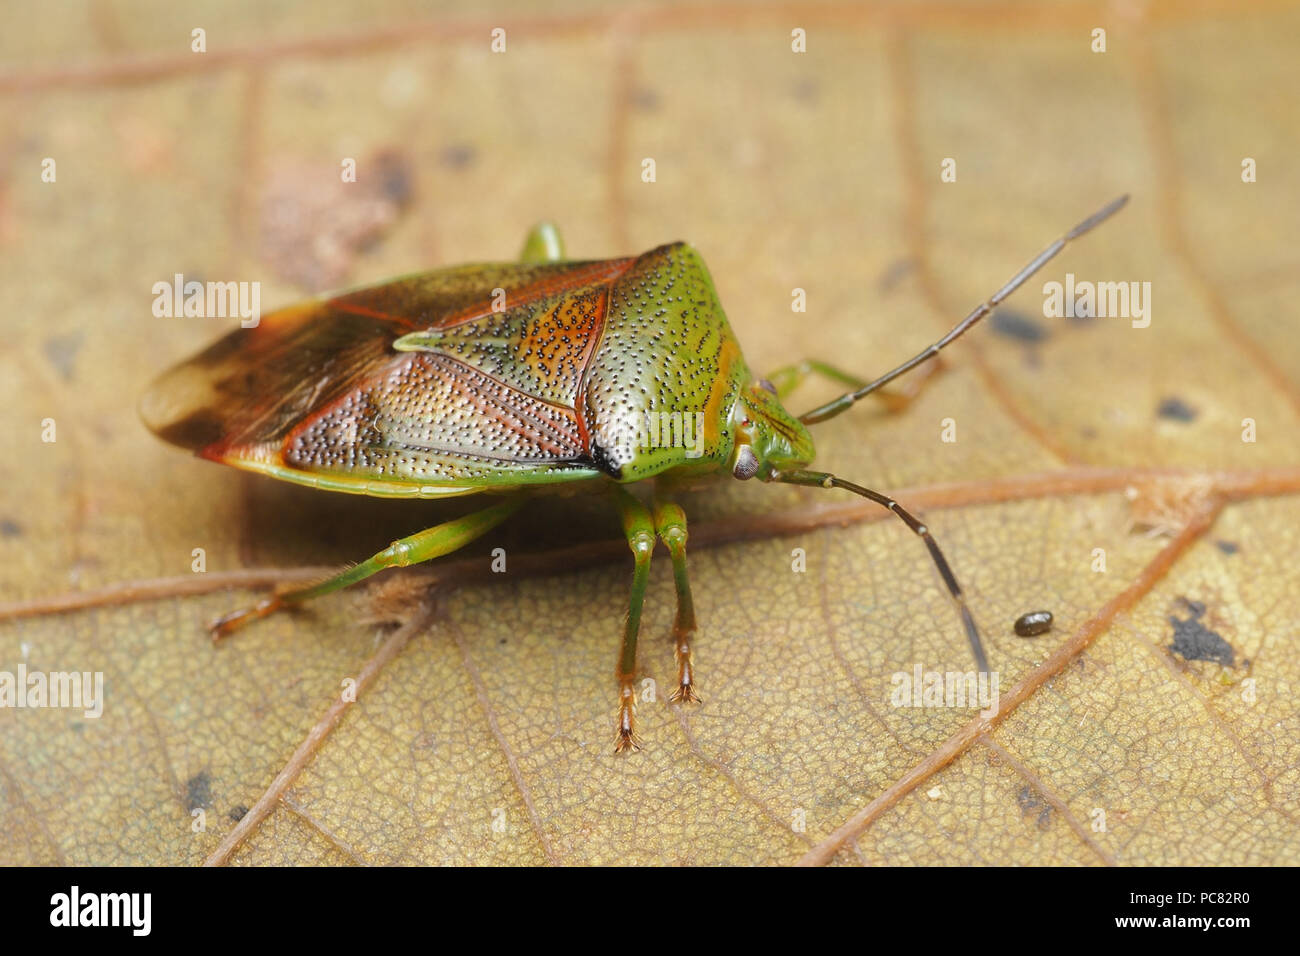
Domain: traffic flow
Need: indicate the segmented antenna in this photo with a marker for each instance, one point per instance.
(845, 401)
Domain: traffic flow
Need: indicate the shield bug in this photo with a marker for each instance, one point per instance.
(515, 378)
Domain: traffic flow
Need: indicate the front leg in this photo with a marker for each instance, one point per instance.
(640, 532)
(670, 523)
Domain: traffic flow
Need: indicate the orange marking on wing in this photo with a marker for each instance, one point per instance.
(606, 270)
(580, 403)
(368, 313)
(714, 413)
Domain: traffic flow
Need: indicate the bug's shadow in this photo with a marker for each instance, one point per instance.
(285, 525)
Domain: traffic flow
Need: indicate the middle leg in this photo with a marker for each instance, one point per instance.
(670, 524)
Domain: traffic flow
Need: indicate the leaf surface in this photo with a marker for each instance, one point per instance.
(482, 729)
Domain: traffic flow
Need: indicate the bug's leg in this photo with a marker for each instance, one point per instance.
(422, 546)
(543, 244)
(790, 377)
(821, 479)
(640, 531)
(670, 525)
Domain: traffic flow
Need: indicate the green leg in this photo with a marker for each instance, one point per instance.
(670, 524)
(787, 379)
(640, 531)
(790, 377)
(543, 244)
(431, 543)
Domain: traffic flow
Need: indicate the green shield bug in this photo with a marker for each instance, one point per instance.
(512, 379)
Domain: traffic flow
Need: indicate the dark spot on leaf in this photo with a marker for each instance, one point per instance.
(10, 528)
(61, 351)
(310, 93)
(396, 177)
(1175, 409)
(1018, 326)
(1032, 802)
(313, 226)
(894, 274)
(806, 91)
(198, 790)
(1193, 641)
(458, 156)
(1228, 547)
(238, 813)
(645, 99)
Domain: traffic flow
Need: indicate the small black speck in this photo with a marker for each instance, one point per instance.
(198, 790)
(645, 99)
(10, 528)
(458, 156)
(1033, 623)
(1176, 409)
(1228, 547)
(396, 177)
(61, 351)
(1193, 641)
(806, 91)
(238, 813)
(1018, 325)
(894, 274)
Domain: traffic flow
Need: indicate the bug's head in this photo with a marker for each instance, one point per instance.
(768, 438)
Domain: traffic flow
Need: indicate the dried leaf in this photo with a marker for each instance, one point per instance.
(1157, 721)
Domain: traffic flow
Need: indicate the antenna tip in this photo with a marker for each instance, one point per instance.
(1097, 217)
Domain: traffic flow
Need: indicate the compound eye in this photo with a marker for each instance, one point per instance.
(746, 466)
(766, 386)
